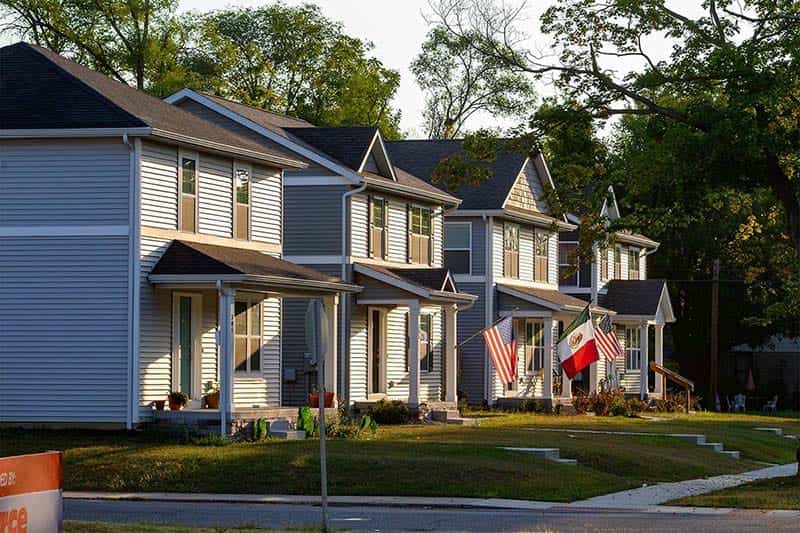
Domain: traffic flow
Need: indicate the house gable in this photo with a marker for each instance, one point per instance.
(527, 193)
(376, 159)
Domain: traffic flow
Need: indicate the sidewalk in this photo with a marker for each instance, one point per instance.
(646, 499)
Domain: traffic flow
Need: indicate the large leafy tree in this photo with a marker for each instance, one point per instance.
(460, 82)
(293, 60)
(133, 41)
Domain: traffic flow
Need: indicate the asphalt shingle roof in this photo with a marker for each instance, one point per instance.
(39, 89)
(346, 144)
(633, 297)
(420, 157)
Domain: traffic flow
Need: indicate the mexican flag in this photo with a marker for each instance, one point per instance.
(576, 347)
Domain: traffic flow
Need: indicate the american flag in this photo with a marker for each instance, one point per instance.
(503, 349)
(607, 339)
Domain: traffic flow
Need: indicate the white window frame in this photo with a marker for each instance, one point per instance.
(449, 248)
(633, 352)
(195, 156)
(537, 350)
(431, 363)
(259, 302)
(239, 165)
(410, 231)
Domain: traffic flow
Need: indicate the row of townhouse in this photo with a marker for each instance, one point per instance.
(149, 246)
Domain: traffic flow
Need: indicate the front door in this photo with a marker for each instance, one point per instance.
(377, 346)
(186, 352)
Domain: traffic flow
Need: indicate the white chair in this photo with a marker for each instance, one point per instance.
(772, 405)
(739, 403)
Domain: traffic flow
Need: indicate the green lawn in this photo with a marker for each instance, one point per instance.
(777, 493)
(420, 460)
(75, 526)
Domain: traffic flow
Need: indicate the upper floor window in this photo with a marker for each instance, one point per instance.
(419, 235)
(187, 215)
(511, 250)
(458, 247)
(633, 263)
(247, 335)
(633, 348)
(541, 252)
(603, 264)
(425, 344)
(567, 273)
(241, 221)
(617, 262)
(377, 228)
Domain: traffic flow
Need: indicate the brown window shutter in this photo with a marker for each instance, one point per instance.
(370, 240)
(407, 345)
(430, 242)
(408, 233)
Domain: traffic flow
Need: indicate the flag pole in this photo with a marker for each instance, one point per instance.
(462, 343)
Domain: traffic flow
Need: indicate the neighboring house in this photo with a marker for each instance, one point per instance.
(352, 213)
(775, 368)
(501, 243)
(140, 252)
(616, 279)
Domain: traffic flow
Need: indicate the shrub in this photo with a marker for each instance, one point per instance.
(607, 403)
(305, 421)
(394, 412)
(260, 429)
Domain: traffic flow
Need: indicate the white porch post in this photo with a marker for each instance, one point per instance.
(566, 386)
(645, 358)
(226, 299)
(594, 373)
(548, 359)
(660, 389)
(413, 354)
(451, 361)
(330, 304)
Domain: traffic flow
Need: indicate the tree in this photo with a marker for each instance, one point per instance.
(460, 82)
(736, 66)
(133, 41)
(293, 60)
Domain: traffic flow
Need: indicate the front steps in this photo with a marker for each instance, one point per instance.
(700, 440)
(281, 429)
(778, 432)
(452, 417)
(548, 454)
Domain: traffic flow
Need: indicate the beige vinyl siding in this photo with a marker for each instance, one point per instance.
(216, 196)
(359, 206)
(643, 266)
(396, 369)
(526, 237)
(358, 354)
(262, 388)
(438, 237)
(552, 260)
(398, 231)
(497, 248)
(624, 271)
(265, 203)
(159, 187)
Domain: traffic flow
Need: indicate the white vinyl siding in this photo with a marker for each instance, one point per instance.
(159, 188)
(216, 196)
(438, 237)
(358, 226)
(263, 388)
(396, 364)
(265, 205)
(358, 354)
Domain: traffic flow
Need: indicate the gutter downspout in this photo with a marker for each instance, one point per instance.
(488, 223)
(132, 416)
(344, 337)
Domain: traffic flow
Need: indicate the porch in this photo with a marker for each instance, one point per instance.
(221, 310)
(240, 421)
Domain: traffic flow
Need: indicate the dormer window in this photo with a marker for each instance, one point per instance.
(241, 203)
(511, 250)
(419, 235)
(633, 263)
(377, 228)
(187, 215)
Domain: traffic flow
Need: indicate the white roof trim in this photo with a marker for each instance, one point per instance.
(377, 137)
(665, 305)
(531, 218)
(280, 139)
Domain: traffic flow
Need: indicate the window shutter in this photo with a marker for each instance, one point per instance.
(408, 234)
(385, 232)
(430, 240)
(370, 240)
(407, 345)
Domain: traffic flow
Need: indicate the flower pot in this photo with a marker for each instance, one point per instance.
(212, 400)
(313, 399)
(175, 406)
(159, 405)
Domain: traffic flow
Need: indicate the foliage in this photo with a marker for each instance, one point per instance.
(260, 431)
(607, 403)
(459, 82)
(390, 412)
(178, 398)
(305, 421)
(292, 60)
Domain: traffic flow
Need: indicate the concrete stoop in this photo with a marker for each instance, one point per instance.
(281, 429)
(548, 454)
(452, 417)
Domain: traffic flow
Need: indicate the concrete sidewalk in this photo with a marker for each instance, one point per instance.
(643, 499)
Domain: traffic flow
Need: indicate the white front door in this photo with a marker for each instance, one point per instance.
(376, 366)
(186, 348)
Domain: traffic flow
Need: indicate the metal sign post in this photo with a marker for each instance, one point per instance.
(316, 328)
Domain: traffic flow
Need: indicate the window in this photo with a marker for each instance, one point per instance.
(188, 194)
(633, 348)
(247, 335)
(419, 235)
(566, 266)
(377, 228)
(541, 252)
(458, 247)
(533, 340)
(617, 262)
(604, 264)
(425, 344)
(242, 204)
(633, 263)
(511, 250)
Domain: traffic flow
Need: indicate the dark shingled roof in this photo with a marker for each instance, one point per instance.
(432, 278)
(39, 89)
(346, 144)
(420, 157)
(633, 297)
(190, 258)
(554, 297)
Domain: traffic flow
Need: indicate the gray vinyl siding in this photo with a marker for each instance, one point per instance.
(359, 225)
(266, 204)
(313, 220)
(159, 185)
(478, 250)
(215, 196)
(64, 334)
(358, 353)
(64, 182)
(472, 355)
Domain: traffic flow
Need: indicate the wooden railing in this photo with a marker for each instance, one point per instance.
(677, 378)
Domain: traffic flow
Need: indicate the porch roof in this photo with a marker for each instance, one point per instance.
(554, 300)
(191, 262)
(430, 284)
(646, 298)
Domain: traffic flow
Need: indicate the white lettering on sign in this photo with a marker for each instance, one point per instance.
(8, 479)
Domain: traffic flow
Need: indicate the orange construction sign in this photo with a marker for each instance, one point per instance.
(30, 493)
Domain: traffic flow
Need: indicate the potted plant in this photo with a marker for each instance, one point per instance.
(177, 400)
(313, 398)
(211, 399)
(159, 404)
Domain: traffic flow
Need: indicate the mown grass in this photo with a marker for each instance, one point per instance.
(420, 460)
(79, 526)
(777, 493)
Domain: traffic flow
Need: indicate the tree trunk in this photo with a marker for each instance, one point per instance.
(784, 190)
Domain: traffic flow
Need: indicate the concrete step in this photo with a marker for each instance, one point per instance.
(774, 431)
(793, 437)
(289, 434)
(693, 438)
(570, 462)
(460, 421)
(279, 424)
(548, 454)
(715, 446)
(443, 415)
(730, 453)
